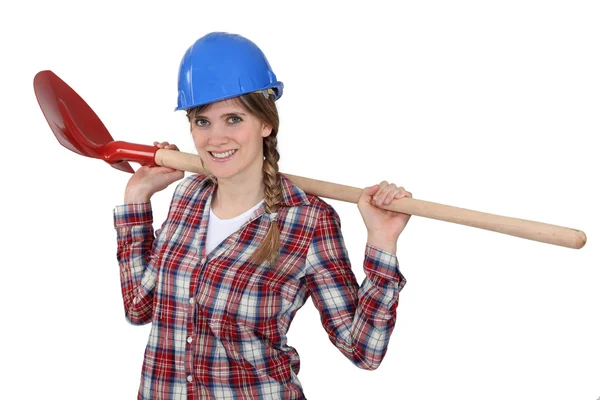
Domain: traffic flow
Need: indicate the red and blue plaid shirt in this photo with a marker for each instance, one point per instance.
(219, 321)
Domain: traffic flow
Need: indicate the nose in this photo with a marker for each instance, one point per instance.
(218, 137)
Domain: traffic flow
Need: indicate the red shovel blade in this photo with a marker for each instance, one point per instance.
(73, 122)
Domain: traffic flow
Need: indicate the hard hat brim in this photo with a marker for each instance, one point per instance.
(277, 88)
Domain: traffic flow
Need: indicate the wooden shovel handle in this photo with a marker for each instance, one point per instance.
(538, 231)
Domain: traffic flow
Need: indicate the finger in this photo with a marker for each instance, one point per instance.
(389, 195)
(396, 194)
(367, 194)
(386, 194)
(400, 193)
(380, 188)
(369, 191)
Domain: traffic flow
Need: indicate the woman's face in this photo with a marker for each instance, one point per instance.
(226, 126)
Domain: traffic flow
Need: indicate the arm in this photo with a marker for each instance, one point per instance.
(137, 253)
(138, 250)
(359, 321)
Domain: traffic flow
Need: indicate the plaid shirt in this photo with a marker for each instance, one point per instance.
(219, 322)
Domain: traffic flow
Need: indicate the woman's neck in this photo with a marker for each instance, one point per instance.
(230, 200)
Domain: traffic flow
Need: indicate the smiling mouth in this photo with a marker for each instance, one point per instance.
(221, 157)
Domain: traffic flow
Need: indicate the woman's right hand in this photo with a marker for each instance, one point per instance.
(148, 180)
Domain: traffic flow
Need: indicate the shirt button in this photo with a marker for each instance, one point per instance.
(192, 300)
(203, 261)
(189, 378)
(189, 339)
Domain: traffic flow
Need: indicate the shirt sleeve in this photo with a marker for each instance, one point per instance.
(137, 253)
(358, 320)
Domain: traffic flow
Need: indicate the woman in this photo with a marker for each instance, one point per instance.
(243, 247)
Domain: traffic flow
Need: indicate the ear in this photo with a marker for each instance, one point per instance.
(266, 130)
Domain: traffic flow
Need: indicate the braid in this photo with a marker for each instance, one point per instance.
(269, 248)
(272, 179)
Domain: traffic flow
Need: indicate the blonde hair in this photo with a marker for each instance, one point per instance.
(264, 109)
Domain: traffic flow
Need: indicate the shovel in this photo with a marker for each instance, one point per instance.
(79, 129)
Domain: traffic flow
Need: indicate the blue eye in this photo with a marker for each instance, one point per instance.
(236, 118)
(200, 122)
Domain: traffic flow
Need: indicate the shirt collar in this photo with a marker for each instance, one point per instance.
(292, 194)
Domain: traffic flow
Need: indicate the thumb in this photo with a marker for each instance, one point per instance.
(369, 191)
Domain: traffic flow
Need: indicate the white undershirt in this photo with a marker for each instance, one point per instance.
(219, 229)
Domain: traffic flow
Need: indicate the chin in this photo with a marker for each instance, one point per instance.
(220, 174)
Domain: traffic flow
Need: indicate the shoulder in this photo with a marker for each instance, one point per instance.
(188, 192)
(294, 196)
(192, 184)
(322, 206)
(312, 206)
(327, 218)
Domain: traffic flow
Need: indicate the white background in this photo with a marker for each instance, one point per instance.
(485, 105)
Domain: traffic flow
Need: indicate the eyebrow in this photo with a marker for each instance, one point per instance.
(233, 114)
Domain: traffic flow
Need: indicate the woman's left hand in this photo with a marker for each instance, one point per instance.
(383, 224)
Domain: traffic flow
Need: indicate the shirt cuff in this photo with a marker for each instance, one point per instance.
(382, 267)
(133, 214)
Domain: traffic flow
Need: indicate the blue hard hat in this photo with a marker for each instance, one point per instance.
(220, 66)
